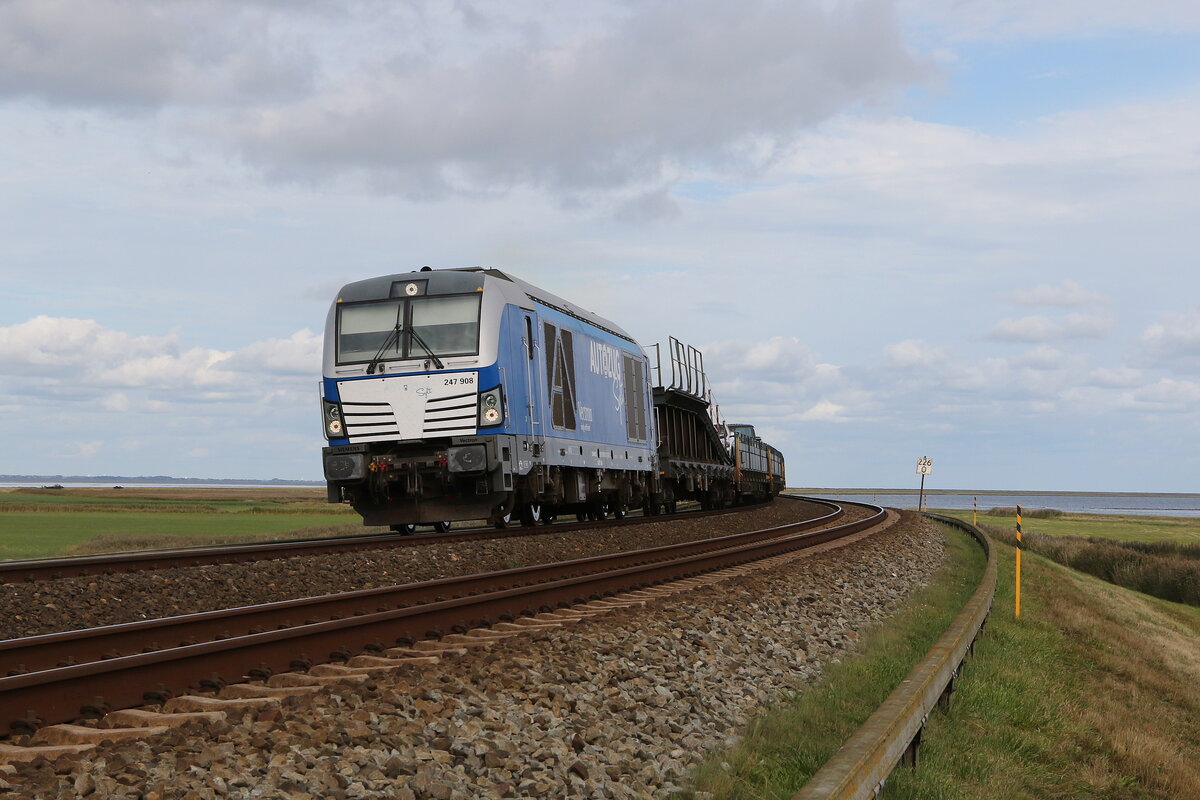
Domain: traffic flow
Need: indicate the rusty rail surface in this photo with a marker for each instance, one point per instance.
(334, 628)
(861, 766)
(70, 566)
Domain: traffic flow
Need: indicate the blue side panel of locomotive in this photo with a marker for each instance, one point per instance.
(596, 382)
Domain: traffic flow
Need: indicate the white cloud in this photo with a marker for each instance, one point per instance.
(61, 355)
(1020, 19)
(1173, 342)
(1120, 168)
(1044, 329)
(117, 401)
(48, 345)
(80, 450)
(779, 359)
(825, 411)
(623, 102)
(1116, 377)
(1068, 294)
(914, 354)
(109, 53)
(1166, 395)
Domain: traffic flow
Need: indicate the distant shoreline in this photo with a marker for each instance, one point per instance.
(156, 480)
(989, 492)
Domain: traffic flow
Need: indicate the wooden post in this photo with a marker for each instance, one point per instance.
(1018, 596)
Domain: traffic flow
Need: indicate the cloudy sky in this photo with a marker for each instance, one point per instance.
(966, 229)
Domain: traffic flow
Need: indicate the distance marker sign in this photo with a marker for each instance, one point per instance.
(924, 465)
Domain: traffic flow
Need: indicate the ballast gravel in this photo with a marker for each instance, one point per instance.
(617, 706)
(91, 601)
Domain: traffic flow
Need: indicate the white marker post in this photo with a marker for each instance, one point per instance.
(924, 467)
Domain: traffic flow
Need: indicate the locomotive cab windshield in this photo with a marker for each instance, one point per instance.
(409, 328)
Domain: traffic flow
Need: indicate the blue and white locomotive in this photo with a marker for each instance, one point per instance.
(469, 394)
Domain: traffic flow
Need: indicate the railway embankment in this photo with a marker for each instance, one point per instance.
(1092, 693)
(619, 705)
(92, 601)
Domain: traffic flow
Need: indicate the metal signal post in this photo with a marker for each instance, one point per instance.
(1018, 603)
(924, 467)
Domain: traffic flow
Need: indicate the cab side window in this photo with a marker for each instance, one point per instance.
(560, 376)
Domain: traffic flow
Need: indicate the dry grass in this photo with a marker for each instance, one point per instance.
(1093, 693)
(1169, 570)
(116, 543)
(186, 493)
(1145, 703)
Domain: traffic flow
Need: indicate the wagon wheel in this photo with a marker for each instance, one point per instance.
(406, 529)
(442, 527)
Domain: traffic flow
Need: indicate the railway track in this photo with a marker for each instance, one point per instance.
(30, 570)
(215, 648)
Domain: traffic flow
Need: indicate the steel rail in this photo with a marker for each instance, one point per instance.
(58, 694)
(893, 732)
(28, 570)
(92, 644)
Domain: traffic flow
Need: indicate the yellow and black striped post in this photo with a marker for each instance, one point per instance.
(1018, 603)
(975, 511)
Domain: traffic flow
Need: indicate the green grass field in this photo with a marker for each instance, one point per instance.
(40, 523)
(1126, 527)
(35, 535)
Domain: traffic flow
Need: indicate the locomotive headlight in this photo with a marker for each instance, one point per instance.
(491, 407)
(471, 458)
(335, 425)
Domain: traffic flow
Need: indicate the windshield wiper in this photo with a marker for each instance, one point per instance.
(394, 336)
(437, 362)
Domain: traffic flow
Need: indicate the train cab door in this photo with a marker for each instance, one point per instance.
(532, 358)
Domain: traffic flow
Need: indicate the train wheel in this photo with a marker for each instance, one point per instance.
(582, 516)
(620, 511)
(442, 527)
(670, 504)
(599, 511)
(548, 517)
(407, 529)
(502, 522)
(531, 514)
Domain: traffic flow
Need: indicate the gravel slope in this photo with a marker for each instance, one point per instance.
(618, 706)
(89, 601)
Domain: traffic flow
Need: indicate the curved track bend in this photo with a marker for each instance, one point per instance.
(69, 566)
(207, 650)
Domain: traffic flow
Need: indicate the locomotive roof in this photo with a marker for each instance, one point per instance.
(468, 279)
